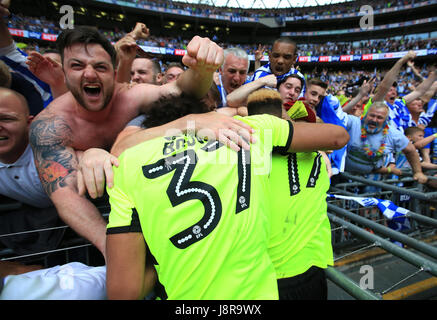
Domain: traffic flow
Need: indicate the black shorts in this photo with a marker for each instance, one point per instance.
(310, 285)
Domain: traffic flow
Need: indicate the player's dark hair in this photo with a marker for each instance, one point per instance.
(167, 109)
(213, 97)
(264, 101)
(85, 35)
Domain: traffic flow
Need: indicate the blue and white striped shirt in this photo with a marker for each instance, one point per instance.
(265, 71)
(15, 59)
(401, 117)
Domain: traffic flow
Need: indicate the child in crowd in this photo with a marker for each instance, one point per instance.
(417, 136)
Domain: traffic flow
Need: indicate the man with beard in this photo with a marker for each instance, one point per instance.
(95, 111)
(372, 139)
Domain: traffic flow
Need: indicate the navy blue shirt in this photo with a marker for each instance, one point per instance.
(28, 90)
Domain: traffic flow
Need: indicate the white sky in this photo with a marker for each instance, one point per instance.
(263, 3)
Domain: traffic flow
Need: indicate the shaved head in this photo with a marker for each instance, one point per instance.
(14, 125)
(18, 100)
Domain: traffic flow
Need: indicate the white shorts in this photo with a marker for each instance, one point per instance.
(72, 281)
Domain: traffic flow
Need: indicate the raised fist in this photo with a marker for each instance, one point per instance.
(411, 55)
(4, 6)
(203, 55)
(140, 31)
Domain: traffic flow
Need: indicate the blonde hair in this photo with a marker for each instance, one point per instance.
(262, 95)
(264, 101)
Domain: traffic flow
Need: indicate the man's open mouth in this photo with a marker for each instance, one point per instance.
(92, 90)
(279, 69)
(3, 138)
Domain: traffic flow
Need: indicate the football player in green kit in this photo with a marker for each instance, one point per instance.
(204, 220)
(300, 241)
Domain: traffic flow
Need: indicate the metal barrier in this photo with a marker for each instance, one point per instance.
(384, 185)
(350, 286)
(357, 227)
(406, 255)
(411, 242)
(71, 248)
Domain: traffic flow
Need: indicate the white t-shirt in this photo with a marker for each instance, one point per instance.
(72, 281)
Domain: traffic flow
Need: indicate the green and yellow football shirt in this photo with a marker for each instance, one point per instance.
(301, 232)
(202, 211)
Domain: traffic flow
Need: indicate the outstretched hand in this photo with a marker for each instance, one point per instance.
(259, 53)
(126, 48)
(225, 129)
(95, 168)
(45, 69)
(366, 87)
(212, 125)
(270, 81)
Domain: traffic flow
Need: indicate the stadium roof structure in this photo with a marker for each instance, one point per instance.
(263, 4)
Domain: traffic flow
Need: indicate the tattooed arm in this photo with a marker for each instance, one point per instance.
(56, 163)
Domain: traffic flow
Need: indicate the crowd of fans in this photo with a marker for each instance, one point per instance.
(297, 13)
(92, 118)
(405, 43)
(366, 47)
(338, 79)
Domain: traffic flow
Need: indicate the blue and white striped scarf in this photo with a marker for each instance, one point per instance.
(265, 71)
(396, 215)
